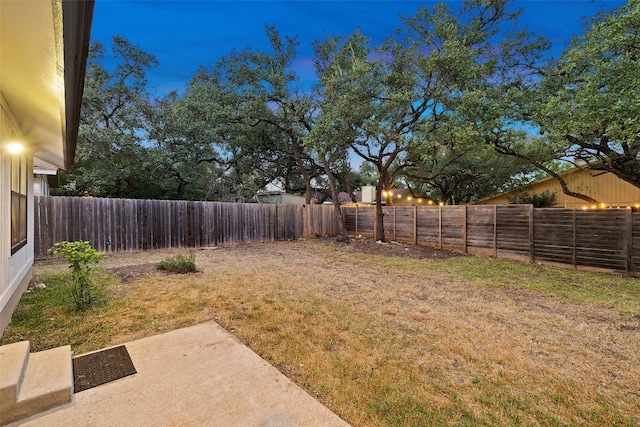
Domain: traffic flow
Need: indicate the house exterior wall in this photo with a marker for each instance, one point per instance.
(292, 199)
(279, 198)
(45, 45)
(605, 188)
(15, 270)
(368, 194)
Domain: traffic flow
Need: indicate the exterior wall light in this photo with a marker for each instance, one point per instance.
(15, 147)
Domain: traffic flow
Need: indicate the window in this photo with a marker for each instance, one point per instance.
(18, 202)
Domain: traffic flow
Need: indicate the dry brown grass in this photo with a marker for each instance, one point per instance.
(384, 340)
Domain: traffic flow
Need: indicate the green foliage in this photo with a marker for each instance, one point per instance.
(420, 100)
(178, 263)
(590, 106)
(262, 115)
(81, 257)
(112, 158)
(546, 199)
(48, 319)
(429, 105)
(461, 173)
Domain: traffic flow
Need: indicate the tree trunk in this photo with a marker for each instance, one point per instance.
(300, 163)
(342, 229)
(349, 187)
(388, 198)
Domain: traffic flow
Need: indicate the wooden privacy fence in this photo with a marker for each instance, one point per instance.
(603, 239)
(131, 225)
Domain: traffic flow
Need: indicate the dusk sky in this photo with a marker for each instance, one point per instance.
(184, 35)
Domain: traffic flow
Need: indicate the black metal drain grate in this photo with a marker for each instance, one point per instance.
(102, 367)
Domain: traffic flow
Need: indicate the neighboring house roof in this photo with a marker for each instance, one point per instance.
(41, 167)
(604, 187)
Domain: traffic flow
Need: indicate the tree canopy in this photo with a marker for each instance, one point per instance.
(436, 106)
(590, 108)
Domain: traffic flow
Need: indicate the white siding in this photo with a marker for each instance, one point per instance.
(13, 268)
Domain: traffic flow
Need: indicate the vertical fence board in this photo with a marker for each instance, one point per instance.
(495, 231)
(464, 229)
(531, 244)
(635, 242)
(574, 252)
(415, 224)
(628, 244)
(440, 227)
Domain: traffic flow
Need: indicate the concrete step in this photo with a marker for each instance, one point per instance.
(13, 364)
(47, 383)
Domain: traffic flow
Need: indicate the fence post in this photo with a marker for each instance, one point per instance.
(277, 224)
(394, 224)
(415, 225)
(495, 231)
(531, 248)
(575, 242)
(629, 240)
(375, 223)
(464, 229)
(356, 219)
(440, 226)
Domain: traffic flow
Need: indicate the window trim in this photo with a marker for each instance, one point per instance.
(19, 203)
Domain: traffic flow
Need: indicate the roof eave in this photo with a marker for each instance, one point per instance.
(77, 20)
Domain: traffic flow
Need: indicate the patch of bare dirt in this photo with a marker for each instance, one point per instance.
(393, 248)
(131, 273)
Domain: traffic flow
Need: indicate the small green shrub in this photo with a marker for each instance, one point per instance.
(546, 199)
(81, 257)
(179, 263)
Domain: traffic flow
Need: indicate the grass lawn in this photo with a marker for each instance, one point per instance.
(380, 338)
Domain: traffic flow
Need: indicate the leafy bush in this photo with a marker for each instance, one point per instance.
(179, 263)
(81, 257)
(546, 199)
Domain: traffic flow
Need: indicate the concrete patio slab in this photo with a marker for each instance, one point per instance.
(196, 376)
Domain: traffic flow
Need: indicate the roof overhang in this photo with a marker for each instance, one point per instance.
(77, 18)
(43, 53)
(40, 167)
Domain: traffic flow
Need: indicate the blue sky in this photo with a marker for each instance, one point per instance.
(184, 35)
